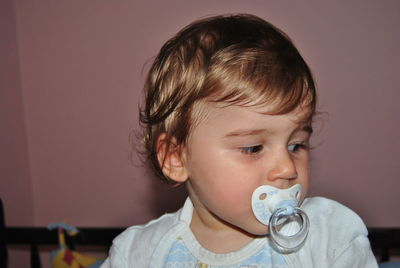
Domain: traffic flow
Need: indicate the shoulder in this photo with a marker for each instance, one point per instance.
(328, 215)
(337, 236)
(137, 243)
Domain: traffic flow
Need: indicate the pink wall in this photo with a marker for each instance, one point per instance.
(80, 68)
(15, 180)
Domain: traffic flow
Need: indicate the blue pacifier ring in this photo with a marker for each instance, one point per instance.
(288, 243)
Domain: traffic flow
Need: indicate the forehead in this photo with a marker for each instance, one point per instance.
(215, 117)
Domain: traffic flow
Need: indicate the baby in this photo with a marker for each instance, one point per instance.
(229, 104)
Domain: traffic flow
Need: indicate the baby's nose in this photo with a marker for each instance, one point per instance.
(283, 167)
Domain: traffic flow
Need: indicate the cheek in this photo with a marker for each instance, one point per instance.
(303, 172)
(218, 180)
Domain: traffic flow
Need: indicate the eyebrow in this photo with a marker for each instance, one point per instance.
(254, 132)
(307, 128)
(245, 132)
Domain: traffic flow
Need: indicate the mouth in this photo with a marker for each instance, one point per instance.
(279, 210)
(266, 199)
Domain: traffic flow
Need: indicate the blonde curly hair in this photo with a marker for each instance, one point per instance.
(234, 59)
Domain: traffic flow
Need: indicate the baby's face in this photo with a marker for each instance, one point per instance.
(236, 149)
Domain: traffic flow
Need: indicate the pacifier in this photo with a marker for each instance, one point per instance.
(279, 209)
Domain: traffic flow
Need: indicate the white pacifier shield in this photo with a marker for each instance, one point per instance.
(266, 199)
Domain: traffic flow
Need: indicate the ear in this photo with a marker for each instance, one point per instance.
(171, 157)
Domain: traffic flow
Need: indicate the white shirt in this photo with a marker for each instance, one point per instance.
(337, 238)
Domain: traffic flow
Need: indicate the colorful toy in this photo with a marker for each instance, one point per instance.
(67, 258)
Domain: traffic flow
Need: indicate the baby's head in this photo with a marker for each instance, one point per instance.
(238, 60)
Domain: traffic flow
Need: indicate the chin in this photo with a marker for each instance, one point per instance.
(259, 230)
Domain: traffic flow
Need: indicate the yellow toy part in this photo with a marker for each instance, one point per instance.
(70, 259)
(66, 258)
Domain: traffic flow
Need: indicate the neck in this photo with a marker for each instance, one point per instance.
(209, 231)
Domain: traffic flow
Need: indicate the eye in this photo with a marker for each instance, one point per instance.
(297, 147)
(252, 149)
